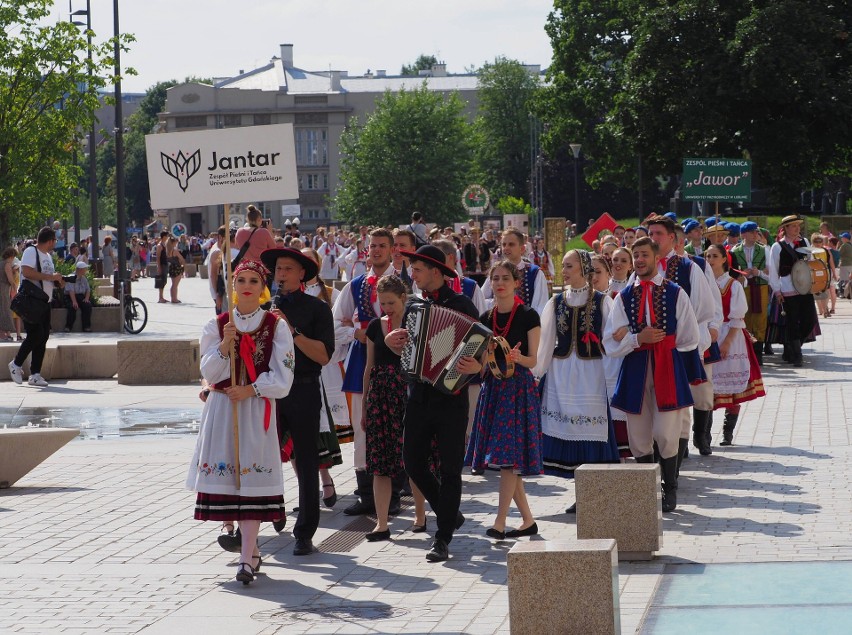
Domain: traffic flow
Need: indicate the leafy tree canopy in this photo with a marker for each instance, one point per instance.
(675, 78)
(422, 63)
(413, 153)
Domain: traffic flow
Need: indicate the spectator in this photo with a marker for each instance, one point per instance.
(78, 295)
(7, 291)
(419, 228)
(143, 257)
(176, 263)
(255, 234)
(108, 256)
(37, 267)
(135, 264)
(845, 261)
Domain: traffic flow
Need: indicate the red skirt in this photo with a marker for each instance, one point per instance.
(754, 388)
(229, 507)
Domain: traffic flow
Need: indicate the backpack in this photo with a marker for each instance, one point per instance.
(418, 242)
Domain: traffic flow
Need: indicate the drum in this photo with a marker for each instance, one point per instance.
(809, 276)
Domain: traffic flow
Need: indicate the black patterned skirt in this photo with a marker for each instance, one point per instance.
(385, 410)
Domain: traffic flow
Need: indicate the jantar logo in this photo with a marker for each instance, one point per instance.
(181, 167)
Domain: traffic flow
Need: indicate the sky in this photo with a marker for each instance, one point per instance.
(214, 38)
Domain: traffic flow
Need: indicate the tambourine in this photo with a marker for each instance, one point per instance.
(499, 344)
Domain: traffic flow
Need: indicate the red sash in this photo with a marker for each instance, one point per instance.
(662, 360)
(247, 350)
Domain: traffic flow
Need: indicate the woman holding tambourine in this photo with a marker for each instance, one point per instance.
(575, 418)
(507, 426)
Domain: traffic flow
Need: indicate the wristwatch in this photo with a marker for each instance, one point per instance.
(297, 332)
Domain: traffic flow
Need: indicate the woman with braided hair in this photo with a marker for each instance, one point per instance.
(575, 418)
(506, 431)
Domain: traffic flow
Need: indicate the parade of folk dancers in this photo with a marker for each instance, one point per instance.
(438, 360)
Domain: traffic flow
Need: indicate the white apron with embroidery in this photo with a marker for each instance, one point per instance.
(212, 470)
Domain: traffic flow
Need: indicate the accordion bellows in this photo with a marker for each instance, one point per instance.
(437, 338)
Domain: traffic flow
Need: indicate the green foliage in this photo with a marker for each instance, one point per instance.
(46, 97)
(422, 63)
(673, 78)
(513, 205)
(506, 94)
(413, 153)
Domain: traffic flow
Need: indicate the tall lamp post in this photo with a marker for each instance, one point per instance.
(575, 150)
(119, 154)
(93, 166)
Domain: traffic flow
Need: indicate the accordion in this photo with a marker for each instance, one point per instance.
(437, 338)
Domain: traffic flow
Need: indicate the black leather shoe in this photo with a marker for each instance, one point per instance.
(359, 508)
(532, 530)
(303, 547)
(495, 533)
(279, 525)
(439, 551)
(460, 520)
(231, 542)
(477, 471)
(377, 536)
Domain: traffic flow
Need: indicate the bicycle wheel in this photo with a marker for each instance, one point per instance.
(135, 315)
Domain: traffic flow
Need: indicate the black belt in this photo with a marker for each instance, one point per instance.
(306, 379)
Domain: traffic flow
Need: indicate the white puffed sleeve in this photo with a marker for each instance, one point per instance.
(618, 319)
(687, 336)
(214, 367)
(548, 338)
(739, 307)
(276, 382)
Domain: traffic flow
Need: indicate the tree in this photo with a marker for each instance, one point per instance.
(675, 78)
(422, 63)
(48, 93)
(413, 153)
(506, 94)
(513, 205)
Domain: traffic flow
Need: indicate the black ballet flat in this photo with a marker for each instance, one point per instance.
(418, 529)
(496, 534)
(246, 573)
(532, 530)
(279, 525)
(378, 536)
(329, 501)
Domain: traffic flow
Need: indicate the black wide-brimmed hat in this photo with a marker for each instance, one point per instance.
(271, 256)
(433, 256)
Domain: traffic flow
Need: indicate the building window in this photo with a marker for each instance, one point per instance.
(262, 120)
(314, 181)
(233, 121)
(191, 121)
(325, 180)
(310, 99)
(311, 146)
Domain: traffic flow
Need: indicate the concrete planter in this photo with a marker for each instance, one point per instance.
(105, 319)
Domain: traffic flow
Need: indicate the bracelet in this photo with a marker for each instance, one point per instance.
(501, 344)
(256, 390)
(218, 350)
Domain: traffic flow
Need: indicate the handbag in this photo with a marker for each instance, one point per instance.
(31, 303)
(160, 280)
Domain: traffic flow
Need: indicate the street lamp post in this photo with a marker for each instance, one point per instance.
(93, 165)
(119, 155)
(575, 150)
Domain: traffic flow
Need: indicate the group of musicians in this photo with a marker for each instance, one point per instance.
(663, 323)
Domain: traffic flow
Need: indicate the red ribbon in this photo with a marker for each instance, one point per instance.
(247, 350)
(431, 295)
(455, 285)
(665, 262)
(590, 337)
(647, 300)
(373, 281)
(663, 362)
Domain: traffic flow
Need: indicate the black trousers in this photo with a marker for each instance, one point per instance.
(801, 318)
(299, 414)
(430, 414)
(85, 311)
(36, 343)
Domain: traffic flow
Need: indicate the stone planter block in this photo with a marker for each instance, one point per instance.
(22, 449)
(145, 361)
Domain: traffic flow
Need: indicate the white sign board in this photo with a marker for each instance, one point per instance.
(213, 167)
(291, 210)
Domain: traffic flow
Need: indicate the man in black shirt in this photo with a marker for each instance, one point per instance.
(312, 328)
(431, 414)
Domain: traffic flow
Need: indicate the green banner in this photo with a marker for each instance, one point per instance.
(716, 180)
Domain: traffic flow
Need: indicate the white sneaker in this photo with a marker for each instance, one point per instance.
(16, 373)
(37, 380)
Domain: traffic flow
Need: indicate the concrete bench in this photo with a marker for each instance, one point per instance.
(105, 291)
(103, 282)
(22, 449)
(621, 501)
(107, 317)
(78, 360)
(203, 272)
(145, 361)
(564, 587)
(190, 270)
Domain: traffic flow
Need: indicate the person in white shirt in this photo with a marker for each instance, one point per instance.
(533, 290)
(331, 254)
(37, 268)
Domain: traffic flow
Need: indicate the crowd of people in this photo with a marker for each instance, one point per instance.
(690, 307)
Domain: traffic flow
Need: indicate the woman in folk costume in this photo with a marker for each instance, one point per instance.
(622, 267)
(737, 377)
(236, 468)
(507, 428)
(574, 413)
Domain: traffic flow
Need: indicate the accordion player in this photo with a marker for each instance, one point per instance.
(437, 338)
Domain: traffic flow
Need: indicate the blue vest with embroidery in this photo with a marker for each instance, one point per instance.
(570, 328)
(630, 388)
(679, 270)
(701, 262)
(468, 286)
(527, 289)
(353, 380)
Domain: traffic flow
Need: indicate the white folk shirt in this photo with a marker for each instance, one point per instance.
(330, 254)
(540, 294)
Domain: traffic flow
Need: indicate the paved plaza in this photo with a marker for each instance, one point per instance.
(100, 538)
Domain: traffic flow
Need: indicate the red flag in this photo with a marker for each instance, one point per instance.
(604, 222)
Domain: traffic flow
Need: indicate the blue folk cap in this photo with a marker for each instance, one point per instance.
(748, 226)
(846, 236)
(709, 222)
(733, 229)
(671, 215)
(689, 225)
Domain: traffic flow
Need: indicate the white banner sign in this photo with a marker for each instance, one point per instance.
(213, 167)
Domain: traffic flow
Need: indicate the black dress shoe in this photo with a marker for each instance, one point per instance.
(231, 542)
(377, 536)
(532, 530)
(439, 551)
(460, 520)
(477, 471)
(359, 508)
(495, 533)
(303, 547)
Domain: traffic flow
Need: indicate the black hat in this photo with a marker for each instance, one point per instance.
(271, 256)
(432, 256)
